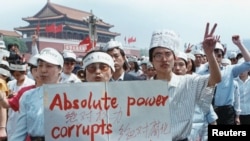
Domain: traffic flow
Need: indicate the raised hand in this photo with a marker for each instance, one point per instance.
(188, 48)
(236, 40)
(210, 40)
(34, 37)
(217, 38)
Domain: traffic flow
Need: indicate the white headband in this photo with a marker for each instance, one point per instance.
(16, 67)
(4, 72)
(98, 57)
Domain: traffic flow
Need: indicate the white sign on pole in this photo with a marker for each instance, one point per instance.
(111, 111)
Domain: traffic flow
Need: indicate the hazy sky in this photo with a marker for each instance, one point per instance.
(139, 18)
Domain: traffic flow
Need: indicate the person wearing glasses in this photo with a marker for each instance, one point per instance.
(67, 76)
(184, 90)
(224, 98)
(98, 66)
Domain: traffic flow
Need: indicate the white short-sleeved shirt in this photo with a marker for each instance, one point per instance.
(72, 78)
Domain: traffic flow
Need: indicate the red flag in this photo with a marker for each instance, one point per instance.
(130, 40)
(50, 28)
(47, 28)
(38, 28)
(59, 28)
(86, 42)
(134, 39)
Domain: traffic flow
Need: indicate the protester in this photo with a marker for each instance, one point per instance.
(18, 71)
(150, 73)
(201, 120)
(4, 78)
(232, 56)
(78, 65)
(191, 69)
(115, 49)
(13, 102)
(4, 54)
(134, 67)
(244, 89)
(67, 76)
(30, 120)
(15, 55)
(187, 90)
(99, 66)
(2, 45)
(236, 103)
(224, 96)
(198, 53)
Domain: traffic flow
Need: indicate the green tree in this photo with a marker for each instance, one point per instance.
(11, 40)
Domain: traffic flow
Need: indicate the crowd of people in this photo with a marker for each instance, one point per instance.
(204, 85)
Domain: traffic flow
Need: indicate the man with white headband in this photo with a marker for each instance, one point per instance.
(98, 66)
(18, 71)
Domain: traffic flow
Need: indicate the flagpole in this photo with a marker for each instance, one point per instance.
(92, 29)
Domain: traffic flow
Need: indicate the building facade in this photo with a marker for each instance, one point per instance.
(73, 24)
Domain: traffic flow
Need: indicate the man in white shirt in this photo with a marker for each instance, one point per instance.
(67, 76)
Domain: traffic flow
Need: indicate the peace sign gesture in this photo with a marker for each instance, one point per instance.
(210, 40)
(188, 48)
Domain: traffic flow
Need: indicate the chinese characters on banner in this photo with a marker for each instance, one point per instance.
(111, 111)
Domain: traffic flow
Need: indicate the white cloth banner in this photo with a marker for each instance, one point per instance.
(111, 111)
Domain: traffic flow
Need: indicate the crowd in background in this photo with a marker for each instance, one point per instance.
(212, 84)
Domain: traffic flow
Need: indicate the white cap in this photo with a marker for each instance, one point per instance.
(232, 55)
(165, 38)
(4, 53)
(78, 59)
(5, 72)
(226, 61)
(52, 56)
(33, 60)
(112, 44)
(2, 45)
(18, 67)
(182, 55)
(219, 46)
(149, 65)
(198, 52)
(69, 54)
(190, 56)
(198, 49)
(6, 63)
(132, 59)
(98, 57)
(144, 61)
